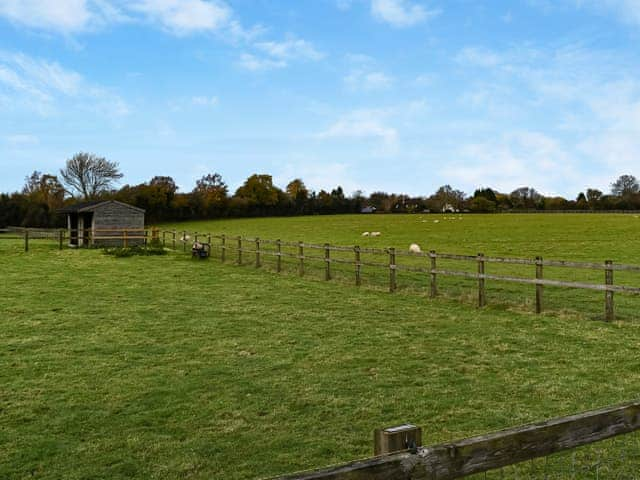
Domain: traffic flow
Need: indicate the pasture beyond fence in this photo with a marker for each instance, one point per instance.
(510, 448)
(429, 268)
(430, 272)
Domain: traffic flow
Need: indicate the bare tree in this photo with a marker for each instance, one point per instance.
(624, 186)
(89, 175)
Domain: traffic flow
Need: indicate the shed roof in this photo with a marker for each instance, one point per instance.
(94, 205)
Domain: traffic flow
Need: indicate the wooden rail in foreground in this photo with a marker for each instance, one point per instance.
(482, 453)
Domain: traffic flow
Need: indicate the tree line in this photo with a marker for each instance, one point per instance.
(87, 177)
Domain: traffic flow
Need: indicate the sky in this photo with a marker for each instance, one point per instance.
(394, 95)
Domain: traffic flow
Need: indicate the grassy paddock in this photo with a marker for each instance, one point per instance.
(167, 367)
(578, 237)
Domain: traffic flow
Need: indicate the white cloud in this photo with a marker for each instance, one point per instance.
(204, 101)
(480, 57)
(317, 174)
(360, 80)
(21, 139)
(39, 85)
(291, 48)
(180, 17)
(256, 64)
(185, 16)
(401, 13)
(506, 162)
(362, 124)
(344, 4)
(272, 54)
(62, 16)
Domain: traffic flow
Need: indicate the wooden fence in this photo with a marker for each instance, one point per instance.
(393, 261)
(484, 453)
(88, 238)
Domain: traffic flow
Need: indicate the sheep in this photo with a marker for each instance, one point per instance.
(414, 248)
(436, 221)
(365, 234)
(375, 234)
(185, 238)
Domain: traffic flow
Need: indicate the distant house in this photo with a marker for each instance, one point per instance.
(93, 223)
(368, 209)
(448, 208)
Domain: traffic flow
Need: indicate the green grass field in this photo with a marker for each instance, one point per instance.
(577, 237)
(168, 367)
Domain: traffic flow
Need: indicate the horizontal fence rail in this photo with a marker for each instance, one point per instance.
(334, 261)
(483, 453)
(396, 261)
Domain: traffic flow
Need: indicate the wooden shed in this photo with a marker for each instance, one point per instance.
(104, 223)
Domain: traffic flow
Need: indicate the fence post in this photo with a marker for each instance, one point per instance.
(327, 262)
(174, 239)
(482, 298)
(146, 241)
(164, 238)
(301, 258)
(26, 239)
(608, 294)
(223, 247)
(279, 256)
(60, 239)
(539, 287)
(184, 241)
(257, 252)
(209, 240)
(239, 250)
(434, 286)
(195, 237)
(392, 270)
(356, 249)
(124, 238)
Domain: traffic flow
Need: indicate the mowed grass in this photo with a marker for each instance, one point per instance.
(168, 367)
(577, 237)
(558, 236)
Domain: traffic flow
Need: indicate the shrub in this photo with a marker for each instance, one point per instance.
(122, 252)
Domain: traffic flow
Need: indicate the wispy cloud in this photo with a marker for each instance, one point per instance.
(401, 13)
(290, 48)
(183, 17)
(362, 124)
(21, 139)
(39, 84)
(270, 55)
(368, 81)
(204, 101)
(62, 16)
(254, 63)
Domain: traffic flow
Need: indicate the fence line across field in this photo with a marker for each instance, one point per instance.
(303, 253)
(255, 247)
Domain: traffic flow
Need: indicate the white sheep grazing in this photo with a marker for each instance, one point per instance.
(414, 248)
(436, 221)
(185, 238)
(365, 234)
(375, 234)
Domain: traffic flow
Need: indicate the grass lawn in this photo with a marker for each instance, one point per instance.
(577, 237)
(167, 367)
(588, 237)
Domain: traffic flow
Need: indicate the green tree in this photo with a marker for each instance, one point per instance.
(593, 197)
(259, 192)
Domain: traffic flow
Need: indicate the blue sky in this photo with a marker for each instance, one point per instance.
(395, 95)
